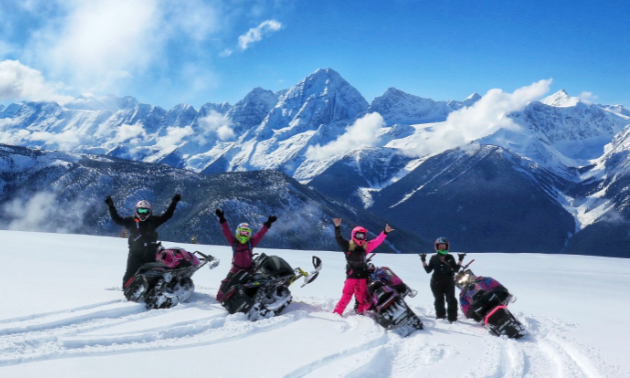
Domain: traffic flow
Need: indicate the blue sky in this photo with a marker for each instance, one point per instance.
(166, 52)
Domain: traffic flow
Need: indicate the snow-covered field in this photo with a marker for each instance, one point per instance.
(63, 315)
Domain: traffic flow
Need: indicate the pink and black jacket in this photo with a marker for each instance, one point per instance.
(242, 256)
(356, 266)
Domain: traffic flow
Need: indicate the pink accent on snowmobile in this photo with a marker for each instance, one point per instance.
(492, 312)
(173, 257)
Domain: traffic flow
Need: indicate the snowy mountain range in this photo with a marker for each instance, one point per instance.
(550, 179)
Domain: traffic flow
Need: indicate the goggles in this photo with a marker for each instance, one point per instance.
(143, 210)
(244, 232)
(359, 236)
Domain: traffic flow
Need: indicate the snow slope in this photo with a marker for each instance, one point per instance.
(63, 316)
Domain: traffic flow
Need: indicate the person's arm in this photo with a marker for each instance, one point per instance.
(454, 265)
(225, 227)
(343, 243)
(428, 267)
(161, 219)
(372, 244)
(114, 213)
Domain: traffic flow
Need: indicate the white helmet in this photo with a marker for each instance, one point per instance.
(143, 210)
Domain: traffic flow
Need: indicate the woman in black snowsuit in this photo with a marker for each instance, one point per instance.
(444, 267)
(143, 236)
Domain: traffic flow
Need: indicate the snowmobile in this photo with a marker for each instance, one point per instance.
(386, 291)
(167, 282)
(489, 304)
(265, 292)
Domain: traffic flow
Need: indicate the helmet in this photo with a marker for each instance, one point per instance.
(359, 234)
(371, 268)
(243, 233)
(442, 240)
(143, 210)
(464, 279)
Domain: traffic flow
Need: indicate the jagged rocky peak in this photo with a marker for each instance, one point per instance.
(560, 99)
(325, 83)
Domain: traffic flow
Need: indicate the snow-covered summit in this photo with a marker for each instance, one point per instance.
(560, 99)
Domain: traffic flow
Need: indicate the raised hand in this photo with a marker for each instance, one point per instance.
(177, 197)
(388, 229)
(221, 214)
(461, 256)
(272, 219)
(423, 257)
(337, 221)
(109, 201)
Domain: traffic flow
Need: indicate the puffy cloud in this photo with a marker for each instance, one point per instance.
(216, 123)
(363, 132)
(484, 117)
(256, 34)
(173, 136)
(127, 132)
(19, 82)
(65, 141)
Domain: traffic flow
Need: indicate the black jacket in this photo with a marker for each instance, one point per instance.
(356, 265)
(142, 233)
(443, 270)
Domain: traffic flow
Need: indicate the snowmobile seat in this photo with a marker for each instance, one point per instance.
(274, 265)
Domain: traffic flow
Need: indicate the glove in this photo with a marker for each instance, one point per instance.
(177, 197)
(221, 215)
(461, 256)
(109, 201)
(423, 257)
(270, 221)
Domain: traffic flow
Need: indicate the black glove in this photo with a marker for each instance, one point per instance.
(270, 221)
(177, 197)
(461, 256)
(109, 201)
(423, 257)
(221, 215)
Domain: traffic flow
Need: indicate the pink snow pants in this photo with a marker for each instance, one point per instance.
(358, 287)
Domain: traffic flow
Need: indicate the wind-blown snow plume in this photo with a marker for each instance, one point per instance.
(35, 213)
(363, 132)
(256, 34)
(19, 82)
(484, 117)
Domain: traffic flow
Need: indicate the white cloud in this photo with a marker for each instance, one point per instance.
(173, 136)
(477, 121)
(127, 132)
(65, 141)
(363, 132)
(256, 34)
(19, 82)
(214, 123)
(587, 97)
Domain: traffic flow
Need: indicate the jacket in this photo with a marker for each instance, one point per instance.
(356, 264)
(443, 270)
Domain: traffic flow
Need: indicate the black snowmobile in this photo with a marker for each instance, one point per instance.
(167, 282)
(265, 293)
(386, 291)
(488, 304)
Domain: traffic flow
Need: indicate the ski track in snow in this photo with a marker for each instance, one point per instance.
(83, 332)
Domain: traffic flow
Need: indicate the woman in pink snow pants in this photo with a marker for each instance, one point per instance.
(356, 251)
